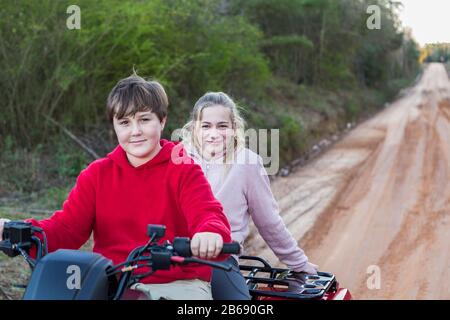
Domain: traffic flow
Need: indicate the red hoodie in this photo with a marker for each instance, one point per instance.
(117, 201)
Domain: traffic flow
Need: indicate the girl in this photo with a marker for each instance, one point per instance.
(214, 137)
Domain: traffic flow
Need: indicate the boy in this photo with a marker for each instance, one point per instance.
(138, 184)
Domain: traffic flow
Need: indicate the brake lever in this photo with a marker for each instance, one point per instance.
(7, 248)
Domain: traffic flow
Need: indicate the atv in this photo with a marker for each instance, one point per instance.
(80, 275)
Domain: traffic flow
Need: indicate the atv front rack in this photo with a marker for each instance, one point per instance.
(267, 282)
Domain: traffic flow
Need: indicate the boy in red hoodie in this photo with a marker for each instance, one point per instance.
(137, 184)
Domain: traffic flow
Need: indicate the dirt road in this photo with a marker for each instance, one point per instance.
(380, 200)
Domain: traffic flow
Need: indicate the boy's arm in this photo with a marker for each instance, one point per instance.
(71, 227)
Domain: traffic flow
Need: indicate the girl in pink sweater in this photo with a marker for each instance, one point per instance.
(215, 139)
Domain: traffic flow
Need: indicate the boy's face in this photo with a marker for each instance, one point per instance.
(139, 136)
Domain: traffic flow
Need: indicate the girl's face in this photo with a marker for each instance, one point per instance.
(215, 132)
(139, 136)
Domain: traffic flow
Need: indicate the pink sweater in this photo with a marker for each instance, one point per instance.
(245, 192)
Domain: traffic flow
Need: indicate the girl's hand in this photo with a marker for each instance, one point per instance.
(310, 268)
(206, 245)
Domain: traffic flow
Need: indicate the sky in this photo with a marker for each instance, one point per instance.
(428, 19)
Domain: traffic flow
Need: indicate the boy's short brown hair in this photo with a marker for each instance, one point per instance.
(135, 94)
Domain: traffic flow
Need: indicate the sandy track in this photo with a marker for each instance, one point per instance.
(380, 197)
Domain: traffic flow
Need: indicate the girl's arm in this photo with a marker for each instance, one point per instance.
(264, 211)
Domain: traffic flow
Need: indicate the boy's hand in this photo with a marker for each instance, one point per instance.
(206, 245)
(2, 223)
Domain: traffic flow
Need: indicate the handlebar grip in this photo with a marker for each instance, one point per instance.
(183, 247)
(231, 248)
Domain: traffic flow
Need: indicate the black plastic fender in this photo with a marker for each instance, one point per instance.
(70, 275)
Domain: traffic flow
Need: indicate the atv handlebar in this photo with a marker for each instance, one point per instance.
(18, 238)
(20, 235)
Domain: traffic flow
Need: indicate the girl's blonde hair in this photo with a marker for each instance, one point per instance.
(209, 99)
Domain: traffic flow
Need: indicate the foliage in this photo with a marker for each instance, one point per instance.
(246, 48)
